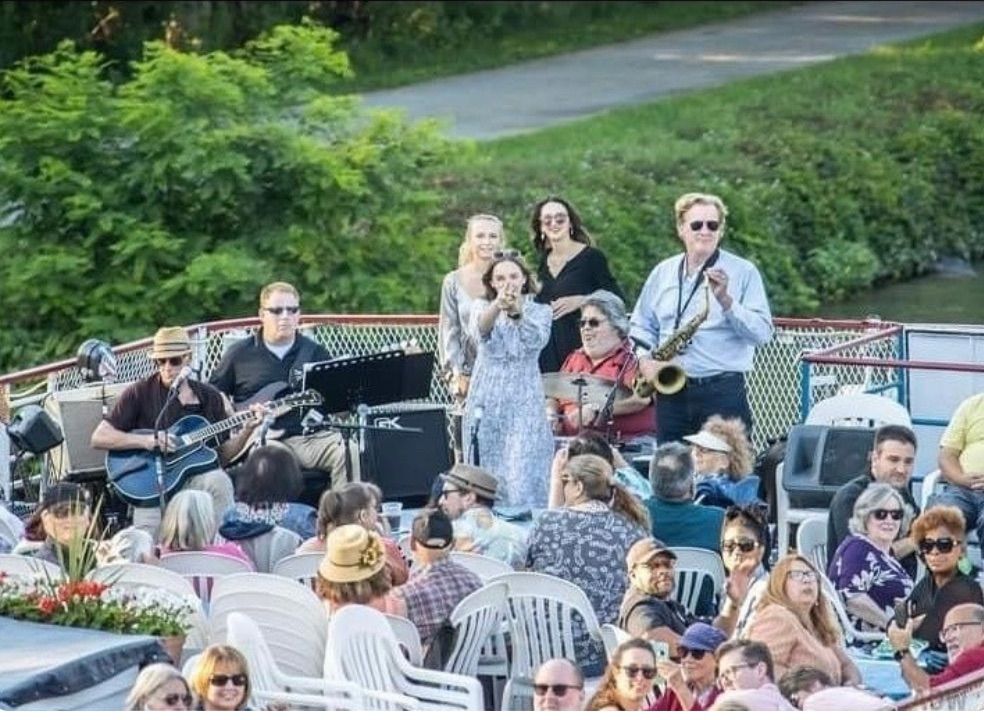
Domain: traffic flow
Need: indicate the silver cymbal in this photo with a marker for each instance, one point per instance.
(564, 386)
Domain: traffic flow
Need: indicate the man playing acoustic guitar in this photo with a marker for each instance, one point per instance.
(140, 404)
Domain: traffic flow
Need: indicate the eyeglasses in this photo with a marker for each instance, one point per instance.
(175, 699)
(633, 671)
(882, 513)
(559, 690)
(591, 322)
(745, 545)
(172, 361)
(452, 491)
(803, 575)
(733, 670)
(238, 680)
(558, 219)
(288, 309)
(944, 545)
(695, 654)
(507, 254)
(67, 510)
(950, 629)
(712, 225)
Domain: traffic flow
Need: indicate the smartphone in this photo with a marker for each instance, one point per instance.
(901, 613)
(660, 649)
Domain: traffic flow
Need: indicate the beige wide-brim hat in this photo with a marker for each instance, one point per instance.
(352, 553)
(170, 342)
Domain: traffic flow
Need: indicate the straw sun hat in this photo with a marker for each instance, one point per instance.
(352, 553)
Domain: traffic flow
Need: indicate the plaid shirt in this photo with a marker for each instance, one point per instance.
(433, 592)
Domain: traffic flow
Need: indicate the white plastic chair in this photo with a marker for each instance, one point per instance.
(291, 617)
(485, 567)
(270, 684)
(363, 649)
(268, 549)
(25, 566)
(932, 484)
(302, 567)
(811, 542)
(143, 575)
(8, 531)
(202, 567)
(613, 636)
(475, 620)
(404, 544)
(692, 566)
(541, 612)
(409, 638)
(847, 627)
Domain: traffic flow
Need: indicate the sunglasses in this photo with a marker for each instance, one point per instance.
(744, 545)
(882, 513)
(591, 322)
(67, 510)
(238, 680)
(944, 545)
(505, 254)
(712, 225)
(695, 654)
(172, 361)
(647, 672)
(558, 690)
(288, 309)
(175, 699)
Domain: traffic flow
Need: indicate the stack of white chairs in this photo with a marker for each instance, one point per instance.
(24, 566)
(363, 649)
(476, 619)
(811, 542)
(693, 565)
(291, 618)
(270, 548)
(302, 567)
(408, 637)
(202, 568)
(485, 567)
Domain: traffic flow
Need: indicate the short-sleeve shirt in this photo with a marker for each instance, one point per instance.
(965, 434)
(970, 660)
(935, 603)
(641, 613)
(433, 592)
(861, 568)
(139, 405)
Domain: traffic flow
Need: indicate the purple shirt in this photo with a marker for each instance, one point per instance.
(861, 568)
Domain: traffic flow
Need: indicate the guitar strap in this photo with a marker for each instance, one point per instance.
(305, 355)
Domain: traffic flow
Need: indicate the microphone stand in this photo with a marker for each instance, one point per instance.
(347, 430)
(473, 441)
(607, 415)
(161, 451)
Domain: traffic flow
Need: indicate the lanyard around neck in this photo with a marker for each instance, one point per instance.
(681, 305)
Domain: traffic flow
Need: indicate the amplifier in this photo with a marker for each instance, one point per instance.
(78, 411)
(405, 465)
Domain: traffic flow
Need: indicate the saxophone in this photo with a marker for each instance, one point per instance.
(670, 378)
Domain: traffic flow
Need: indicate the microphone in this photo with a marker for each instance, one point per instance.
(476, 459)
(639, 344)
(268, 420)
(185, 373)
(312, 420)
(362, 410)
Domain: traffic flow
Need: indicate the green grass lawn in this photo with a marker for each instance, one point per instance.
(836, 175)
(547, 29)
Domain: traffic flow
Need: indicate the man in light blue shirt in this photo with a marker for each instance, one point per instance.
(738, 320)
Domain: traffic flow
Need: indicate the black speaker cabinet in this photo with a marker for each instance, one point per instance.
(404, 465)
(33, 430)
(820, 458)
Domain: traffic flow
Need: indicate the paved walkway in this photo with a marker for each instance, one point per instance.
(536, 94)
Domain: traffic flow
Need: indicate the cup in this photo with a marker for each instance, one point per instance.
(393, 511)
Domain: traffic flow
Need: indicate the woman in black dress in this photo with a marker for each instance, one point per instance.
(569, 269)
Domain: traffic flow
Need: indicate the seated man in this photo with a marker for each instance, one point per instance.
(676, 519)
(437, 584)
(467, 498)
(963, 633)
(746, 673)
(274, 358)
(892, 460)
(558, 686)
(139, 406)
(809, 688)
(606, 353)
(961, 462)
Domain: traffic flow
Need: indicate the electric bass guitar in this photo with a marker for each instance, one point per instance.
(133, 473)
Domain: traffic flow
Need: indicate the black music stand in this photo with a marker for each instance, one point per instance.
(378, 379)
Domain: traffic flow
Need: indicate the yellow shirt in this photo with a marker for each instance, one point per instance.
(965, 433)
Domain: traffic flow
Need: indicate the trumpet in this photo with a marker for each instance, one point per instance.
(670, 377)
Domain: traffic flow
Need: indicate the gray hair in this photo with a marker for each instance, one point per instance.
(872, 499)
(671, 471)
(611, 306)
(151, 679)
(189, 521)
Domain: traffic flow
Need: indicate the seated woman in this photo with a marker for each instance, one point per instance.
(357, 503)
(691, 684)
(745, 551)
(159, 687)
(940, 535)
(61, 519)
(354, 570)
(589, 442)
(266, 487)
(628, 679)
(723, 461)
(189, 524)
(221, 678)
(864, 571)
(586, 541)
(797, 623)
(606, 353)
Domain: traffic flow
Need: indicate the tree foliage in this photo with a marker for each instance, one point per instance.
(170, 198)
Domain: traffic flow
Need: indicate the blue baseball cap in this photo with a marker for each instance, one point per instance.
(701, 636)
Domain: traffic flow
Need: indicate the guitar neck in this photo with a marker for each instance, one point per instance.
(218, 428)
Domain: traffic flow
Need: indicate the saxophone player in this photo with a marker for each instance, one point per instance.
(720, 351)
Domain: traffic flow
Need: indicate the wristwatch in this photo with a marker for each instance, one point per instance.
(899, 654)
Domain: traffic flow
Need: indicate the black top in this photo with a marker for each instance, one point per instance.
(640, 613)
(841, 510)
(583, 274)
(138, 406)
(249, 367)
(936, 602)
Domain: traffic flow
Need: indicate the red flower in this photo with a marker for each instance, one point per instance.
(47, 605)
